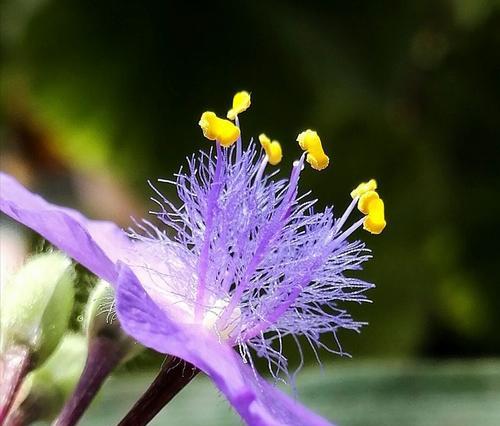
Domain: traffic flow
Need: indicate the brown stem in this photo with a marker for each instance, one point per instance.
(103, 357)
(174, 375)
(17, 418)
(14, 365)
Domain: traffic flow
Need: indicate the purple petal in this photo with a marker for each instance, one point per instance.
(96, 245)
(253, 398)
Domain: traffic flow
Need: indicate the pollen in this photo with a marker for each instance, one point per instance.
(272, 149)
(219, 129)
(363, 187)
(366, 199)
(370, 203)
(241, 102)
(375, 219)
(309, 141)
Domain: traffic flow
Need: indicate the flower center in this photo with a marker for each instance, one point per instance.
(213, 314)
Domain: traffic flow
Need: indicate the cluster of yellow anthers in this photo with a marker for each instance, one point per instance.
(226, 133)
(370, 204)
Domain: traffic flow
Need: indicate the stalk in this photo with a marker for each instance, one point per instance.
(174, 375)
(103, 357)
(14, 365)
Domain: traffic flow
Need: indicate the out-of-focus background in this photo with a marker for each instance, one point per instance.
(99, 96)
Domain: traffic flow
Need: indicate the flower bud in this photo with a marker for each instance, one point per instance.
(36, 304)
(45, 389)
(107, 346)
(101, 321)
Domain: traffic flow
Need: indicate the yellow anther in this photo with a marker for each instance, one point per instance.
(363, 187)
(309, 141)
(219, 129)
(371, 205)
(241, 102)
(272, 149)
(375, 220)
(365, 200)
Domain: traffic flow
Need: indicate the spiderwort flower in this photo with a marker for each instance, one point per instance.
(250, 263)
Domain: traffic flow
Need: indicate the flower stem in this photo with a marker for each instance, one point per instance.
(17, 418)
(174, 375)
(14, 365)
(102, 358)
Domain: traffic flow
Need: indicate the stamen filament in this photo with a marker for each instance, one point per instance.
(349, 230)
(267, 235)
(262, 167)
(262, 325)
(203, 262)
(347, 213)
(238, 141)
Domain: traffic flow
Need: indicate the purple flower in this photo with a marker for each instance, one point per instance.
(242, 262)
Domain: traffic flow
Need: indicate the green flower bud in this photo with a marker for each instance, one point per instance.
(108, 346)
(35, 306)
(44, 390)
(101, 321)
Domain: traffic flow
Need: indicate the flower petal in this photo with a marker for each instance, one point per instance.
(257, 402)
(97, 245)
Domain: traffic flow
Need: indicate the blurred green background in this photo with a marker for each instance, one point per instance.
(98, 96)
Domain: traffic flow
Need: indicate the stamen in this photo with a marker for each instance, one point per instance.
(347, 213)
(363, 187)
(267, 234)
(262, 167)
(241, 102)
(350, 230)
(210, 213)
(366, 199)
(272, 149)
(370, 203)
(309, 141)
(375, 220)
(238, 142)
(215, 128)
